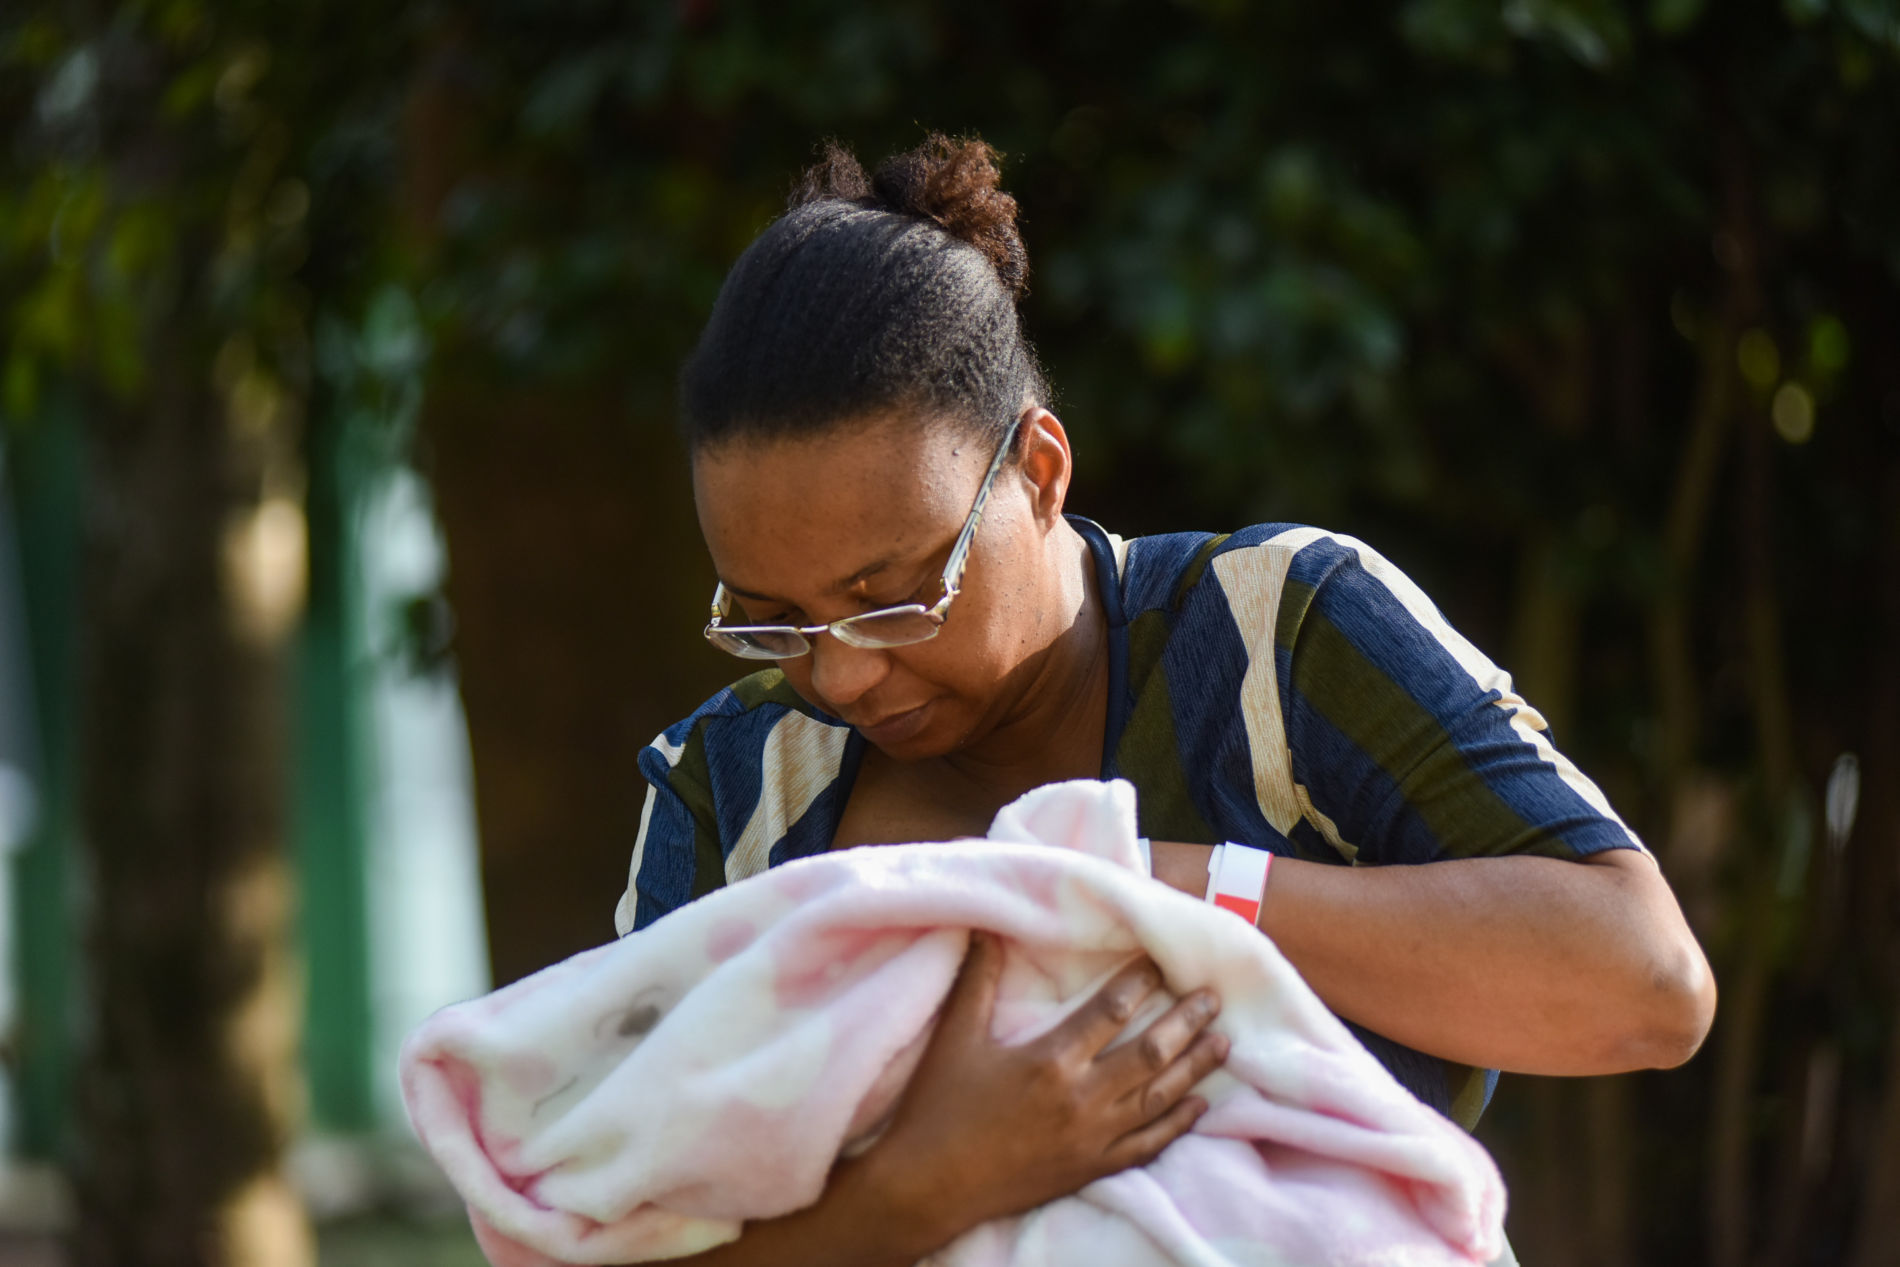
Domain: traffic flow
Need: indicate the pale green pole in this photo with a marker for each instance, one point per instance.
(334, 770)
(42, 471)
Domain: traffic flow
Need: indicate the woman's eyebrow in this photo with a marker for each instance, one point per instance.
(864, 573)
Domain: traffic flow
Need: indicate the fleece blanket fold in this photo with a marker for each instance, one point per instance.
(644, 1099)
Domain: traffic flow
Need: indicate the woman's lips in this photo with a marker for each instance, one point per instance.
(897, 727)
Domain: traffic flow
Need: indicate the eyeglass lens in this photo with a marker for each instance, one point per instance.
(887, 629)
(765, 645)
(898, 628)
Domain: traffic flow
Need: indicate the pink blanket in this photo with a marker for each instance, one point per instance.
(645, 1098)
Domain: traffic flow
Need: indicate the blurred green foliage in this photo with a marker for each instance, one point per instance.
(165, 157)
(1315, 264)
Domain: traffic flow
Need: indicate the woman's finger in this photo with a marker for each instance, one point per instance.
(1095, 1024)
(1142, 1145)
(1148, 1053)
(972, 997)
(1151, 1099)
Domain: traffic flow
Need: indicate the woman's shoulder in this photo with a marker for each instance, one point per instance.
(738, 725)
(1169, 571)
(729, 787)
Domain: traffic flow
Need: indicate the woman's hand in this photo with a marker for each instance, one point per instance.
(986, 1130)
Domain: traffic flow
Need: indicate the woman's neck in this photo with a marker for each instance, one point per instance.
(1055, 723)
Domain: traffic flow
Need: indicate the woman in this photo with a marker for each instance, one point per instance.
(881, 486)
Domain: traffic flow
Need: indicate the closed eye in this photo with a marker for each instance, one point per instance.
(748, 616)
(922, 595)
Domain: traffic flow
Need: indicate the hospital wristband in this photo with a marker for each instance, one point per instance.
(1237, 879)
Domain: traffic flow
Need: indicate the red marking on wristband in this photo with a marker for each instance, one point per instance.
(1249, 911)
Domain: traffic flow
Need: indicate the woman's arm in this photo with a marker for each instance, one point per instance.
(1496, 913)
(986, 1130)
(852, 1225)
(1536, 965)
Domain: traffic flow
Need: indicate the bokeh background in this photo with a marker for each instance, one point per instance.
(347, 557)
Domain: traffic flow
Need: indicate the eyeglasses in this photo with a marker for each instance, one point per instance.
(885, 627)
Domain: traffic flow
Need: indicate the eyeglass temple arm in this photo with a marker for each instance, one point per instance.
(960, 552)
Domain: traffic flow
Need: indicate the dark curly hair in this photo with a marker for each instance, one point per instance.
(887, 291)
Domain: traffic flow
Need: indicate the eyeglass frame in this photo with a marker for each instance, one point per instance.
(937, 613)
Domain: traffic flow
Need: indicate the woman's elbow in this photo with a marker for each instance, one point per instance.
(1676, 1009)
(1666, 1002)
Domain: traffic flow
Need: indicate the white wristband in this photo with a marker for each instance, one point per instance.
(1237, 879)
(1147, 854)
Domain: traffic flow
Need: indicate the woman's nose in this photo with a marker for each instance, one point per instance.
(841, 674)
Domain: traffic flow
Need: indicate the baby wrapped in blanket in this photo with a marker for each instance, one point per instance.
(644, 1099)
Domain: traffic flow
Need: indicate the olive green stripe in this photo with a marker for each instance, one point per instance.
(692, 783)
(1405, 741)
(1147, 639)
(1466, 1086)
(1149, 751)
(757, 688)
(1295, 598)
(767, 686)
(1191, 575)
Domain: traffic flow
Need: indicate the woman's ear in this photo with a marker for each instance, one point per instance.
(1046, 463)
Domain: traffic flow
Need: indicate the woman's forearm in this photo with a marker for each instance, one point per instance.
(851, 1225)
(1531, 964)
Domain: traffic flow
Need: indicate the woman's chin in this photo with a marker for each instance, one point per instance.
(904, 736)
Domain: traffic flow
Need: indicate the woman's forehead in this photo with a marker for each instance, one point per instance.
(810, 516)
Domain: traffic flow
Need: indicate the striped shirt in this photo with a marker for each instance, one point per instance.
(1281, 686)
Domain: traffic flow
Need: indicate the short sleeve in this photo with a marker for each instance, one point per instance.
(677, 848)
(1409, 744)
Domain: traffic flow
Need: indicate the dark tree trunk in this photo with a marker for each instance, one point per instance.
(188, 1084)
(577, 600)
(570, 531)
(1876, 852)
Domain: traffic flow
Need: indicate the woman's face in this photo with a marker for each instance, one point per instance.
(811, 529)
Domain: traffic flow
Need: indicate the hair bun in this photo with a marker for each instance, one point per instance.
(953, 183)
